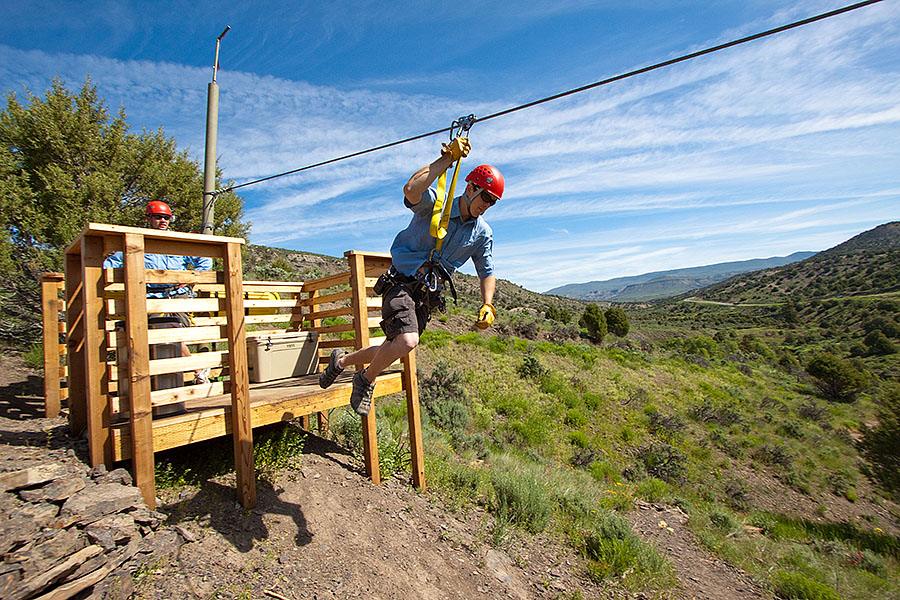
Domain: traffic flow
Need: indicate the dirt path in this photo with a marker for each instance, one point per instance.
(702, 575)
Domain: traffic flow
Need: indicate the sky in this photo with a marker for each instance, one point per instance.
(780, 145)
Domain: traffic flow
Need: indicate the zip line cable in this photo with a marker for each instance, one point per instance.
(590, 86)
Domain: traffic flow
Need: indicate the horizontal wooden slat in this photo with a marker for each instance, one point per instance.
(189, 392)
(342, 343)
(274, 318)
(201, 360)
(335, 312)
(326, 298)
(327, 282)
(179, 248)
(117, 276)
(174, 334)
(187, 305)
(334, 328)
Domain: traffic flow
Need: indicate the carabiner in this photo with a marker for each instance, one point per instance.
(461, 126)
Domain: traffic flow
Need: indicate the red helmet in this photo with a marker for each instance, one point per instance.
(158, 207)
(488, 178)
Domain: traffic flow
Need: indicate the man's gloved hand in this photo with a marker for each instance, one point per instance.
(486, 316)
(458, 148)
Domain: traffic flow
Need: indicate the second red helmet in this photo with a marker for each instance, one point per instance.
(487, 177)
(158, 207)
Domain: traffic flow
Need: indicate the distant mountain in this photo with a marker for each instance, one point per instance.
(868, 263)
(664, 284)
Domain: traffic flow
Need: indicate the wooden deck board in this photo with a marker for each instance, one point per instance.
(270, 402)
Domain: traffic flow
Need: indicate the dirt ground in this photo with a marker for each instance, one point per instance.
(323, 531)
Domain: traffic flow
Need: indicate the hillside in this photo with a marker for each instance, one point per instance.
(692, 458)
(868, 263)
(665, 284)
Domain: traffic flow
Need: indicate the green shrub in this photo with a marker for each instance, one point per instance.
(34, 357)
(881, 444)
(604, 471)
(519, 498)
(594, 322)
(575, 418)
(531, 368)
(445, 399)
(663, 461)
(652, 489)
(276, 448)
(578, 439)
(794, 586)
(616, 321)
(836, 378)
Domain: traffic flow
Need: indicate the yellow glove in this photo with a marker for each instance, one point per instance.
(458, 148)
(486, 316)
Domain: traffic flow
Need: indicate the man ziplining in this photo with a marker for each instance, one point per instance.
(421, 265)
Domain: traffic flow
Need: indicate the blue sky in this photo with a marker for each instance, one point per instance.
(784, 144)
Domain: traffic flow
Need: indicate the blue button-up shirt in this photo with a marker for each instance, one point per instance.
(167, 262)
(473, 239)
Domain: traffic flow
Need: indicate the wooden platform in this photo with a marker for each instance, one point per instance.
(111, 348)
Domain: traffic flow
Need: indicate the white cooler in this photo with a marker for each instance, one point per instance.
(281, 355)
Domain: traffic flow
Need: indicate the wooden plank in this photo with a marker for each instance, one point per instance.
(180, 247)
(339, 328)
(75, 345)
(326, 282)
(360, 313)
(99, 448)
(164, 276)
(161, 366)
(211, 417)
(142, 461)
(414, 418)
(52, 347)
(176, 334)
(172, 305)
(344, 311)
(156, 234)
(242, 430)
(316, 299)
(189, 392)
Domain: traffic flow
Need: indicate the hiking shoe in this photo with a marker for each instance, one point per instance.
(327, 377)
(361, 396)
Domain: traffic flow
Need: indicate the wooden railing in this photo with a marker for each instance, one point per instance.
(110, 367)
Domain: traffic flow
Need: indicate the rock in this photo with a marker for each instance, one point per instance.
(55, 491)
(144, 516)
(95, 502)
(30, 477)
(42, 514)
(15, 532)
(112, 531)
(116, 476)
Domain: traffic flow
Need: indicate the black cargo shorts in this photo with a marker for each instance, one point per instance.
(400, 314)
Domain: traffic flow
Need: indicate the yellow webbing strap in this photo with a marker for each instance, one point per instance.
(440, 214)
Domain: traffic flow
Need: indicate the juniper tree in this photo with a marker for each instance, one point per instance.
(64, 162)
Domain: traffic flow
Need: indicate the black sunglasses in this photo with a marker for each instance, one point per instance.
(164, 217)
(488, 198)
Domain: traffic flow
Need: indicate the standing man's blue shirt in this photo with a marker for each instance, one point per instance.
(167, 262)
(413, 245)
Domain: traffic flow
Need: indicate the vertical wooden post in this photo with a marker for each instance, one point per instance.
(241, 427)
(361, 325)
(50, 319)
(413, 415)
(98, 417)
(75, 345)
(142, 459)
